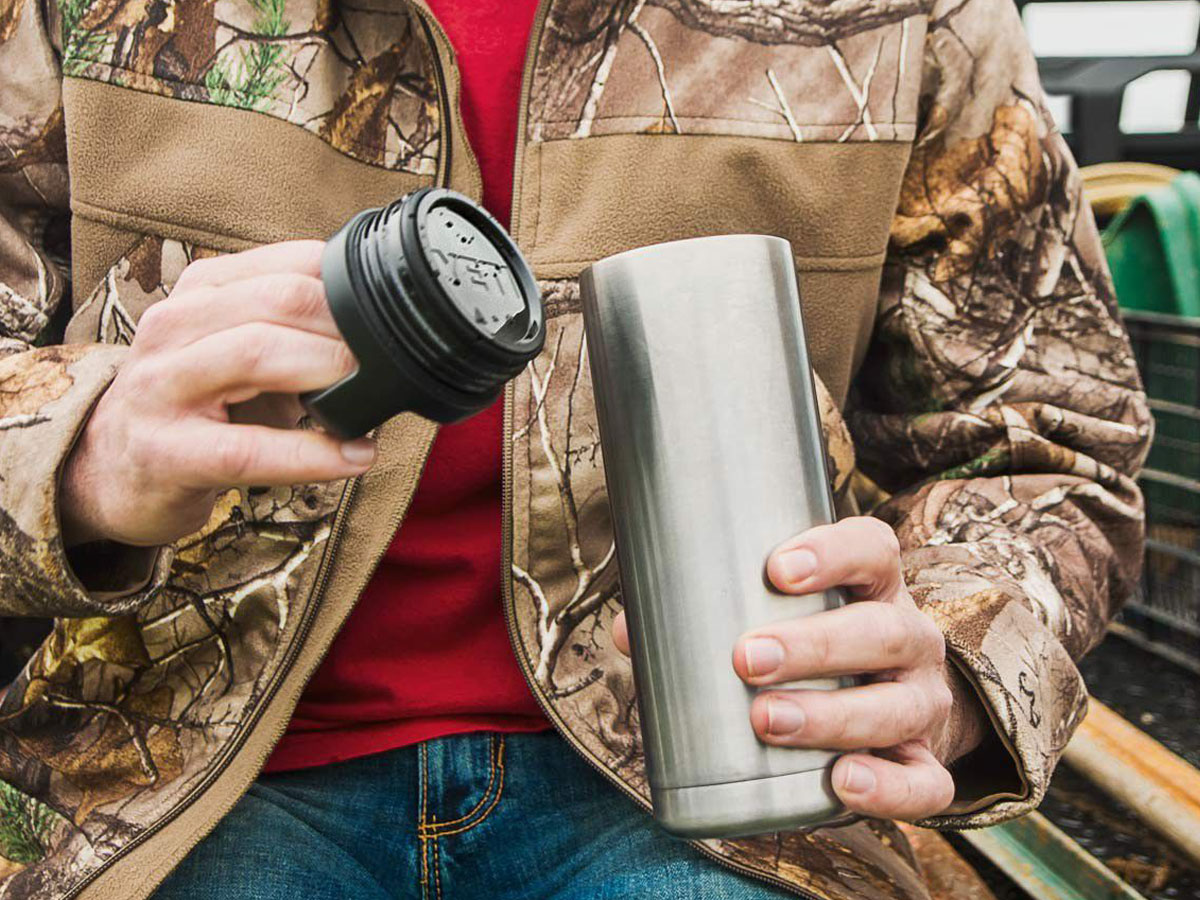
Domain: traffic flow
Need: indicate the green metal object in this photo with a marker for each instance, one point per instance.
(1047, 864)
(1167, 349)
(1153, 249)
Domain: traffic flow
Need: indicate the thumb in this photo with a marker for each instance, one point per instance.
(620, 633)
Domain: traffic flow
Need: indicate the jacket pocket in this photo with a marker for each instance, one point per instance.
(141, 276)
(206, 175)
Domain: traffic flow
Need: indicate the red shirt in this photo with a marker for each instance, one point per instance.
(425, 653)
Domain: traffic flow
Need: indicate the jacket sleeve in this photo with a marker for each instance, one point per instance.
(46, 389)
(1001, 406)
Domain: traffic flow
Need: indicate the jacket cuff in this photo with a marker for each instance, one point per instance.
(1026, 681)
(46, 396)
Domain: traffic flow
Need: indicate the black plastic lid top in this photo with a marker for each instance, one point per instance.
(454, 248)
(438, 306)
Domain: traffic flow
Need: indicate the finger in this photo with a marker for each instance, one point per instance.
(219, 455)
(911, 786)
(289, 299)
(870, 636)
(251, 359)
(861, 553)
(871, 716)
(297, 257)
(620, 633)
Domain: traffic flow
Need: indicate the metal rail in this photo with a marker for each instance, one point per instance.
(1164, 617)
(1165, 651)
(1131, 767)
(1046, 863)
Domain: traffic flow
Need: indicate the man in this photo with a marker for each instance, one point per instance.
(472, 728)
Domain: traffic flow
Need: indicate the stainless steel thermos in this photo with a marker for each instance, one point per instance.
(713, 456)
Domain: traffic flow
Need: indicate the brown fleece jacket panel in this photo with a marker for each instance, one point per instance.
(608, 194)
(136, 164)
(584, 200)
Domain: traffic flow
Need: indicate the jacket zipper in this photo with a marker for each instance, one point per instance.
(506, 581)
(345, 506)
(429, 25)
(293, 651)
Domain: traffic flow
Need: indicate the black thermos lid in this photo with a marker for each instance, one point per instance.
(436, 303)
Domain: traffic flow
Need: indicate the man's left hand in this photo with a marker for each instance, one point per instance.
(911, 715)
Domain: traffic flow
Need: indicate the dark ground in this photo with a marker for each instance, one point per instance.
(1164, 701)
(1159, 697)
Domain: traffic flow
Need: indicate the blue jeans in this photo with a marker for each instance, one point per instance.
(470, 816)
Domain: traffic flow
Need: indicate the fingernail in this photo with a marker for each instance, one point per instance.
(858, 779)
(763, 656)
(796, 565)
(360, 452)
(783, 717)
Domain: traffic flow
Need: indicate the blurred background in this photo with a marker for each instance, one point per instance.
(1159, 35)
(1122, 817)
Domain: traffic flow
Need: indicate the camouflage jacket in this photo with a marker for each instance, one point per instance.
(960, 314)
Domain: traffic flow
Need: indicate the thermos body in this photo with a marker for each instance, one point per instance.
(713, 456)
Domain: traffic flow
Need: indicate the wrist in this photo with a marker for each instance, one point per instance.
(76, 518)
(968, 724)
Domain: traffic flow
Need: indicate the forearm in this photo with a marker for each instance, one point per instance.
(968, 723)
(49, 394)
(1001, 407)
(1022, 566)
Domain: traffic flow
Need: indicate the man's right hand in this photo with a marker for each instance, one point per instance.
(208, 398)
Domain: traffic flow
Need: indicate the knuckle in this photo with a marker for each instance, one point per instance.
(306, 453)
(904, 718)
(837, 721)
(819, 646)
(881, 529)
(146, 375)
(914, 714)
(895, 632)
(885, 537)
(252, 346)
(342, 360)
(944, 790)
(929, 794)
(235, 457)
(300, 295)
(912, 801)
(156, 321)
(925, 635)
(295, 457)
(196, 272)
(935, 641)
(943, 703)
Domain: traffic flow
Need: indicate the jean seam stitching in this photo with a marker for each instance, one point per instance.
(437, 868)
(424, 789)
(434, 834)
(434, 825)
